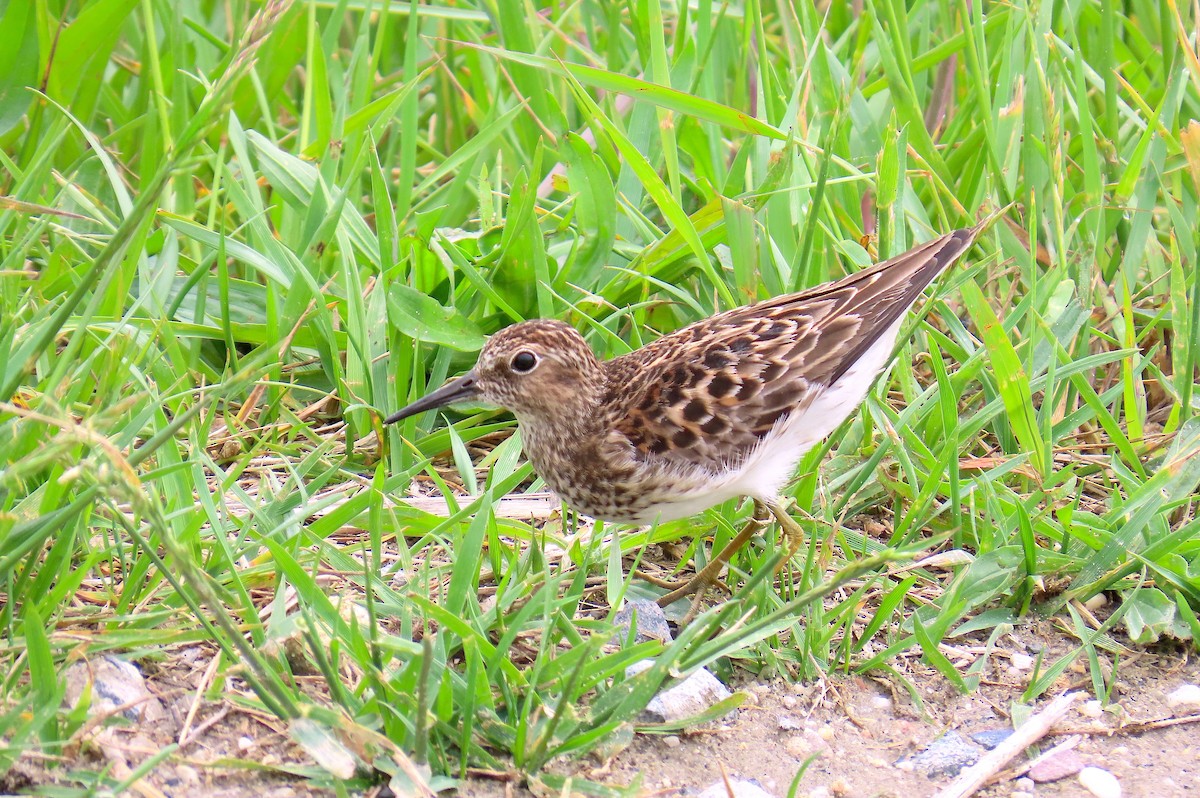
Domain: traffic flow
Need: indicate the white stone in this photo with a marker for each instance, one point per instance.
(1021, 662)
(1100, 782)
(689, 698)
(1092, 709)
(1184, 700)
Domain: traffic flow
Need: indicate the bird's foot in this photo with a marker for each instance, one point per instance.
(790, 529)
(699, 584)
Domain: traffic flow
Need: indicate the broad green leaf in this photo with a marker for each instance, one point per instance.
(421, 317)
(18, 61)
(1151, 615)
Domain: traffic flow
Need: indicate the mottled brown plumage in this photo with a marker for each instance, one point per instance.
(724, 407)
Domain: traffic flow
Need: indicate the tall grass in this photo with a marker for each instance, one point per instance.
(233, 234)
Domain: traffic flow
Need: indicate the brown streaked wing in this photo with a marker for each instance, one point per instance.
(709, 401)
(708, 393)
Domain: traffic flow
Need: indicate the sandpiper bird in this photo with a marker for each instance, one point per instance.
(722, 408)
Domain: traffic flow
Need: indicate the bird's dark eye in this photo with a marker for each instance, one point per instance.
(523, 362)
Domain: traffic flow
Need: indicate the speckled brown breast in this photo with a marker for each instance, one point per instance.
(606, 479)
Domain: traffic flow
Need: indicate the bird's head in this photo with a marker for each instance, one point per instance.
(540, 369)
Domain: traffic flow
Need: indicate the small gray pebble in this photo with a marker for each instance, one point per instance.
(651, 622)
(945, 756)
(790, 723)
(990, 738)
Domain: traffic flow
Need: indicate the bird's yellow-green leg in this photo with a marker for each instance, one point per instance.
(709, 573)
(791, 530)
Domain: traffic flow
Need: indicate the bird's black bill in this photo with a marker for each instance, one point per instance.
(459, 390)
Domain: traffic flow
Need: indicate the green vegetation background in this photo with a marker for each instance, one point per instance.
(233, 233)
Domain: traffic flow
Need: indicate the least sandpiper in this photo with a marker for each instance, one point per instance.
(722, 408)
